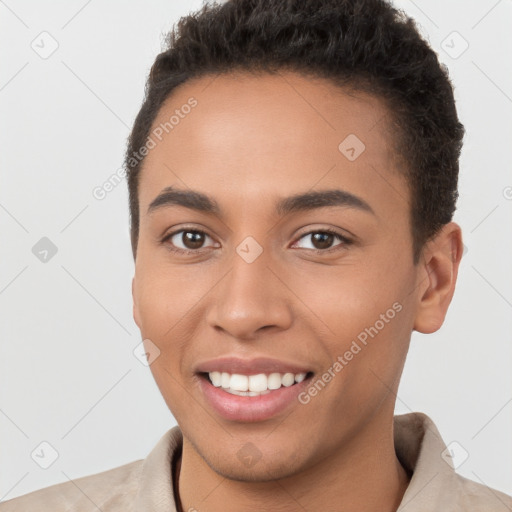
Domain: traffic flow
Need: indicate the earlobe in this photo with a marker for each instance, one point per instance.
(441, 258)
(135, 305)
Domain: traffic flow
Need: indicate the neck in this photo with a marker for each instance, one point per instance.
(364, 475)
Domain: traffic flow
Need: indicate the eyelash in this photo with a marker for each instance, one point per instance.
(345, 241)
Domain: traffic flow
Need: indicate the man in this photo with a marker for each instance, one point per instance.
(292, 176)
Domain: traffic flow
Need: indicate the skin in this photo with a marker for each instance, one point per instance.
(250, 141)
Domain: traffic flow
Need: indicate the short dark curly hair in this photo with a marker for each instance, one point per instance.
(365, 45)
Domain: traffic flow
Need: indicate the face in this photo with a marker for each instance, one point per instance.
(298, 263)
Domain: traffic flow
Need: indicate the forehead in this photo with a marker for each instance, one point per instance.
(247, 138)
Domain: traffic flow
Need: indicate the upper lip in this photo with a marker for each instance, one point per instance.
(249, 366)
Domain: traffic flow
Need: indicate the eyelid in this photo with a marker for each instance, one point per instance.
(326, 229)
(177, 229)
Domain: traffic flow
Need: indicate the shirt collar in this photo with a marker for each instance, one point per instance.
(422, 451)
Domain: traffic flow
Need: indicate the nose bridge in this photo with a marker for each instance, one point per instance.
(249, 297)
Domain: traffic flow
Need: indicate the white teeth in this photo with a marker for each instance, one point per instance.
(288, 379)
(274, 381)
(225, 378)
(299, 377)
(239, 382)
(247, 393)
(216, 378)
(253, 385)
(258, 382)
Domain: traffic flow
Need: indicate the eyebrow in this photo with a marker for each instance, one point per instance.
(297, 203)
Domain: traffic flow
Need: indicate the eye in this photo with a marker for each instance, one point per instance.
(187, 241)
(322, 240)
(191, 240)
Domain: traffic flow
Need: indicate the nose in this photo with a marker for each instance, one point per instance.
(250, 299)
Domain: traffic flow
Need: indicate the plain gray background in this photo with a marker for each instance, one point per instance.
(68, 373)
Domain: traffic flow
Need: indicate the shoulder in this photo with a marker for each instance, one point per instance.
(110, 491)
(435, 484)
(477, 497)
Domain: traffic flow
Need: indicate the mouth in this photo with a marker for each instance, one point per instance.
(251, 391)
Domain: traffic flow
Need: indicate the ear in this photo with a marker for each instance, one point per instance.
(437, 277)
(136, 316)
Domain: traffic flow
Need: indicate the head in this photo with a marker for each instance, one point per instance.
(311, 150)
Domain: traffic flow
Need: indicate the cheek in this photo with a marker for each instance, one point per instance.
(344, 300)
(171, 303)
(167, 295)
(361, 315)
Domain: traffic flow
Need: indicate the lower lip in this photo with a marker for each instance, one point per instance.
(251, 408)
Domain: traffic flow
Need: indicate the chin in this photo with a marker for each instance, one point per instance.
(261, 472)
(244, 462)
